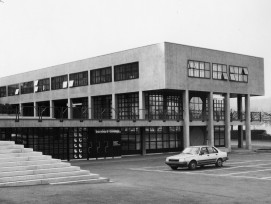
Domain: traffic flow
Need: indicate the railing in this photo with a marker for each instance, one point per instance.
(83, 113)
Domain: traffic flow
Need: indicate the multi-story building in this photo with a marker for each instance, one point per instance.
(156, 98)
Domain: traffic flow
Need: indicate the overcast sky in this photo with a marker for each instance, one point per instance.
(39, 33)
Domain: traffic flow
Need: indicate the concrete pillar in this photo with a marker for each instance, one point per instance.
(70, 108)
(35, 109)
(186, 131)
(227, 122)
(114, 106)
(52, 111)
(211, 120)
(142, 110)
(248, 132)
(90, 112)
(240, 115)
(143, 140)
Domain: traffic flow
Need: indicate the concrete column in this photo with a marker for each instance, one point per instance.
(69, 108)
(227, 122)
(211, 120)
(21, 109)
(52, 111)
(186, 131)
(143, 140)
(35, 109)
(90, 112)
(114, 106)
(240, 127)
(248, 132)
(142, 110)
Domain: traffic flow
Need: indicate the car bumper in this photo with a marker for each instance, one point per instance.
(177, 164)
(225, 158)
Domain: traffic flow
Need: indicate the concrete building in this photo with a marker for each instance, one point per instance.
(156, 98)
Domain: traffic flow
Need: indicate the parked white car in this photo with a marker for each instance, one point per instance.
(194, 156)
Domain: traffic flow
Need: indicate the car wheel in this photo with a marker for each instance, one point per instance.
(192, 165)
(219, 163)
(174, 167)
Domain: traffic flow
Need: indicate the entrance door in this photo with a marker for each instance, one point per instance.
(104, 143)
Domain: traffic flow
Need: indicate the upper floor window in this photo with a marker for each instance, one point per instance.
(13, 90)
(198, 69)
(27, 87)
(78, 79)
(59, 82)
(103, 75)
(220, 71)
(42, 85)
(238, 74)
(126, 71)
(3, 91)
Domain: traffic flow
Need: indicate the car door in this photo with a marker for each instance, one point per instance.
(204, 157)
(213, 154)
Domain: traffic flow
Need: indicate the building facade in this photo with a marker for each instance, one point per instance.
(157, 98)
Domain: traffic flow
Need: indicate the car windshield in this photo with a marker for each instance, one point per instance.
(191, 150)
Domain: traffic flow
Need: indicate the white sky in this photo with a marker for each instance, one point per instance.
(40, 33)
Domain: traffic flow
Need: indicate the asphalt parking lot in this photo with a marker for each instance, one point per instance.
(245, 178)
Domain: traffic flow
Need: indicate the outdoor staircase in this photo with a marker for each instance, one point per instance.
(21, 166)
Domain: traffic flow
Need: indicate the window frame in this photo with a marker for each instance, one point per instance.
(3, 91)
(96, 75)
(237, 72)
(57, 82)
(198, 69)
(27, 87)
(77, 81)
(224, 70)
(128, 71)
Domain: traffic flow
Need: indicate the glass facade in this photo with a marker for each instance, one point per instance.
(42, 85)
(128, 106)
(219, 136)
(219, 110)
(27, 87)
(78, 79)
(159, 139)
(102, 75)
(126, 71)
(102, 107)
(198, 69)
(13, 90)
(163, 105)
(220, 71)
(239, 74)
(130, 140)
(3, 91)
(198, 108)
(59, 82)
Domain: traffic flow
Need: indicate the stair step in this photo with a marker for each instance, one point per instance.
(22, 154)
(3, 143)
(29, 158)
(7, 151)
(39, 171)
(11, 146)
(47, 176)
(34, 167)
(89, 181)
(26, 163)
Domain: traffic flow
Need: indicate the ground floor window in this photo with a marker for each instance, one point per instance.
(163, 138)
(130, 140)
(219, 136)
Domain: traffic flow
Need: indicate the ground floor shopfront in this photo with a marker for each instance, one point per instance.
(69, 143)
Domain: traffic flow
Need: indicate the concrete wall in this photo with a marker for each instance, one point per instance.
(151, 75)
(177, 57)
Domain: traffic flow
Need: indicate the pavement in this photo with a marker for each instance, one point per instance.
(245, 178)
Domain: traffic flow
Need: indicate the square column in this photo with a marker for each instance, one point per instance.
(248, 132)
(143, 140)
(227, 122)
(90, 107)
(52, 111)
(35, 109)
(114, 106)
(211, 120)
(240, 127)
(186, 133)
(142, 110)
(69, 108)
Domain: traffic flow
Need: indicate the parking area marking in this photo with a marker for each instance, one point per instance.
(260, 171)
